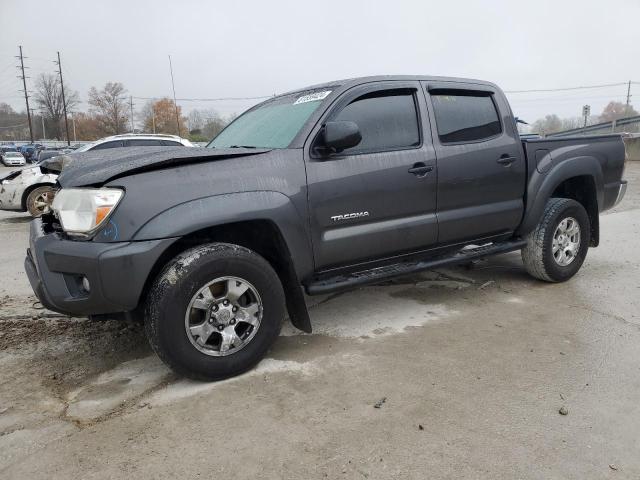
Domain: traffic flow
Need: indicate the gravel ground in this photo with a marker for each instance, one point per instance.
(458, 373)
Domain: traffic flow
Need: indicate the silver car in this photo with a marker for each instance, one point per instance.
(32, 190)
(13, 159)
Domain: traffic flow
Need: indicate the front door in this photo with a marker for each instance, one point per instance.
(376, 199)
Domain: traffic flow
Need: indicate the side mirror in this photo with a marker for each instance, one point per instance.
(338, 136)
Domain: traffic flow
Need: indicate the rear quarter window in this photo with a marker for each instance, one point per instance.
(465, 117)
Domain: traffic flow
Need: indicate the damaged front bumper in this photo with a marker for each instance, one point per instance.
(89, 278)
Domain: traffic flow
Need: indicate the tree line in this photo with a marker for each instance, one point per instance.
(553, 123)
(108, 113)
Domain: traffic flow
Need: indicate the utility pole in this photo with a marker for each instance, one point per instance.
(131, 107)
(153, 115)
(626, 110)
(64, 102)
(44, 133)
(33, 116)
(26, 95)
(174, 97)
(73, 121)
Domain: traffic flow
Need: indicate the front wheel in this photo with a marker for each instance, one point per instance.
(557, 247)
(214, 311)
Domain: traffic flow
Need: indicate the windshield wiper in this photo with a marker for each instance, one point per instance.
(242, 146)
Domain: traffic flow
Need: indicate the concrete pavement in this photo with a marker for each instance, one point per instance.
(473, 366)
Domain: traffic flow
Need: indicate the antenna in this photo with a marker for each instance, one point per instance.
(174, 97)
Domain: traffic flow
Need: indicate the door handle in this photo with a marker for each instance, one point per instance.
(420, 169)
(506, 160)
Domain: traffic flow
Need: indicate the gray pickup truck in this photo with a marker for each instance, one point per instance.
(321, 189)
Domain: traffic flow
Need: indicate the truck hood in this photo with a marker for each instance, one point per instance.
(98, 167)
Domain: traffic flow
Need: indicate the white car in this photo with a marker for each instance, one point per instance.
(31, 189)
(13, 159)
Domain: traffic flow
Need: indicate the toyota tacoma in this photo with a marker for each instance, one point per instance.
(318, 190)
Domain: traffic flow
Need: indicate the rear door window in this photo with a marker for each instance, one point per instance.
(387, 120)
(171, 143)
(465, 116)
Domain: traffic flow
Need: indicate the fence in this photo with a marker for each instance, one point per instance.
(622, 125)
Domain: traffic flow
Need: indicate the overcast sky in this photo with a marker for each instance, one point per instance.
(252, 48)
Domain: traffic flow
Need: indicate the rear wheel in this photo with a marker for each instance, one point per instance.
(39, 200)
(214, 311)
(557, 248)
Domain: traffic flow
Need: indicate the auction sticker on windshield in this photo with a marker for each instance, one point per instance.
(312, 97)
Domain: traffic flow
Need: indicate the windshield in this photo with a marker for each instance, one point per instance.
(273, 124)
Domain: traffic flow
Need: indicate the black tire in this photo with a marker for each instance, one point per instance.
(35, 197)
(173, 289)
(538, 256)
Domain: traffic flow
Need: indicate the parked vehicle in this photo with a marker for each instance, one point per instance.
(314, 191)
(29, 152)
(135, 140)
(48, 153)
(11, 159)
(7, 148)
(31, 189)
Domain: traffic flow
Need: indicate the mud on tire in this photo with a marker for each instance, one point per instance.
(171, 296)
(538, 255)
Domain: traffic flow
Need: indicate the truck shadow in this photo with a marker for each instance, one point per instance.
(411, 301)
(16, 220)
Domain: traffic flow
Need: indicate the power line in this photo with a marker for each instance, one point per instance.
(564, 99)
(222, 99)
(568, 88)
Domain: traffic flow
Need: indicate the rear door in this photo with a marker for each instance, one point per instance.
(378, 198)
(481, 169)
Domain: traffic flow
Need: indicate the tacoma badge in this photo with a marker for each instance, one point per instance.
(347, 216)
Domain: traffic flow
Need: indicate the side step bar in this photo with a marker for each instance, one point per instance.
(375, 275)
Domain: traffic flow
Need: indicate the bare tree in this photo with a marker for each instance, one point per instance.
(109, 106)
(617, 110)
(195, 120)
(48, 97)
(548, 124)
(214, 123)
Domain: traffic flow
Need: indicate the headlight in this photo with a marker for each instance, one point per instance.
(82, 210)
